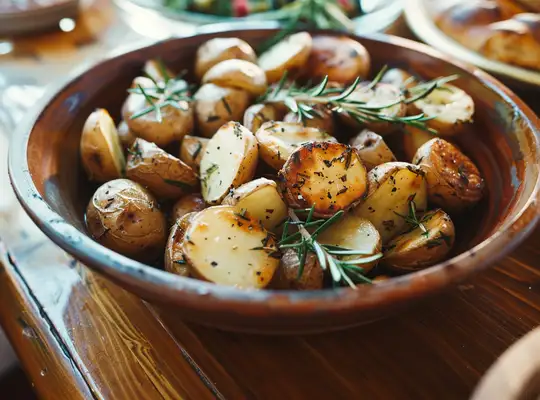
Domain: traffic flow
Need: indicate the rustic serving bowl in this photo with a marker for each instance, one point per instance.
(48, 180)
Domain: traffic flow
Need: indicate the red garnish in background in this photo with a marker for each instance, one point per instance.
(240, 8)
(346, 5)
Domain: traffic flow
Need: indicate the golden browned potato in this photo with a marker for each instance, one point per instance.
(399, 78)
(123, 216)
(165, 175)
(287, 274)
(381, 95)
(238, 74)
(189, 203)
(421, 247)
(277, 140)
(453, 180)
(258, 114)
(355, 233)
(413, 139)
(323, 119)
(372, 149)
(450, 108)
(192, 150)
(340, 58)
(217, 50)
(174, 257)
(176, 120)
(157, 70)
(126, 136)
(329, 176)
(215, 106)
(228, 248)
(101, 152)
(392, 186)
(230, 159)
(261, 199)
(291, 54)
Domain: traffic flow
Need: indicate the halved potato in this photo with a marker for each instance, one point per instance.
(126, 136)
(413, 139)
(450, 108)
(165, 175)
(342, 59)
(176, 120)
(262, 201)
(228, 248)
(391, 187)
(355, 233)
(418, 249)
(290, 55)
(399, 78)
(372, 149)
(230, 159)
(157, 70)
(239, 74)
(382, 94)
(189, 203)
(174, 257)
(323, 119)
(101, 152)
(329, 176)
(192, 150)
(125, 217)
(277, 140)
(453, 180)
(258, 114)
(217, 50)
(215, 105)
(286, 276)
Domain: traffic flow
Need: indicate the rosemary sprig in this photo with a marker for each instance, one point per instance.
(412, 219)
(302, 101)
(342, 271)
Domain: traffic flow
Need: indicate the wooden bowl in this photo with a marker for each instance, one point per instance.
(48, 180)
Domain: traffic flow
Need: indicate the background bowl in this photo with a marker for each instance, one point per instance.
(48, 180)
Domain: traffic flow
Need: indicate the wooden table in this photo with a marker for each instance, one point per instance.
(81, 337)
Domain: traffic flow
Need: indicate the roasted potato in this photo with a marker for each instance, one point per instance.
(323, 119)
(413, 139)
(215, 105)
(176, 121)
(392, 186)
(381, 95)
(399, 78)
(329, 176)
(189, 203)
(355, 233)
(238, 74)
(342, 59)
(163, 174)
(126, 136)
(261, 199)
(192, 150)
(217, 50)
(228, 248)
(174, 257)
(372, 149)
(125, 217)
(101, 152)
(286, 276)
(230, 159)
(290, 55)
(450, 108)
(277, 140)
(258, 114)
(453, 180)
(420, 248)
(157, 70)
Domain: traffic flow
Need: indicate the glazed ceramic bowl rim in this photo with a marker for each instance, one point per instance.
(189, 291)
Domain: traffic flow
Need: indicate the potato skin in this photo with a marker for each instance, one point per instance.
(163, 174)
(215, 106)
(324, 122)
(126, 135)
(413, 139)
(372, 149)
(399, 78)
(258, 114)
(342, 59)
(239, 74)
(192, 150)
(286, 276)
(187, 204)
(123, 216)
(453, 180)
(174, 257)
(217, 50)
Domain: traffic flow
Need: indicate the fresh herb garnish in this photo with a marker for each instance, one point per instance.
(412, 219)
(181, 185)
(197, 150)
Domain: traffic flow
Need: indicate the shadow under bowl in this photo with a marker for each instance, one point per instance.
(49, 182)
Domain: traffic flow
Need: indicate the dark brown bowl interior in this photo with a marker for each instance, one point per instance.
(46, 173)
